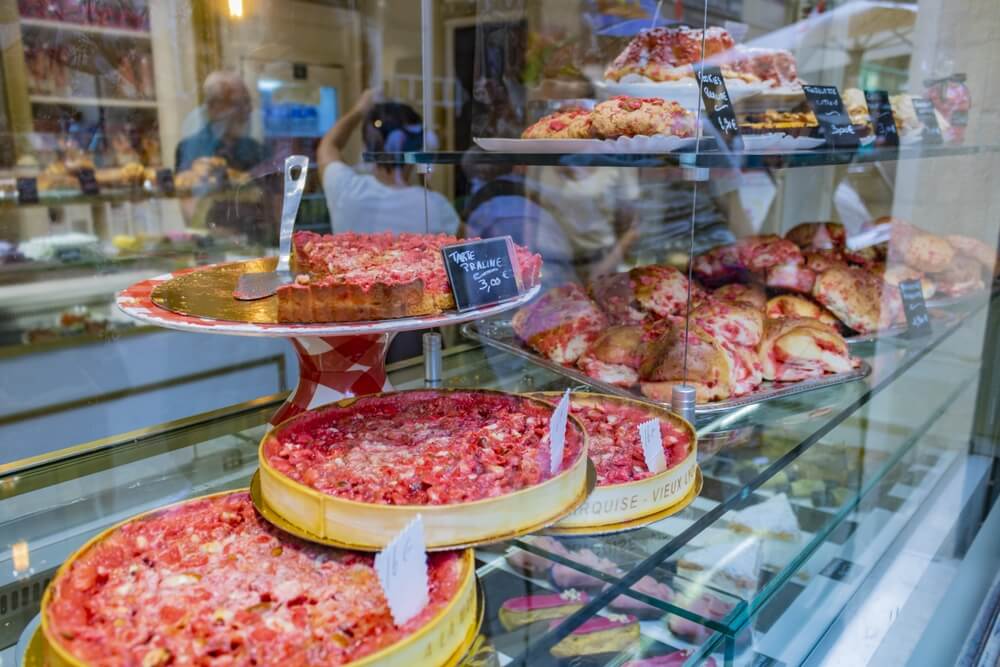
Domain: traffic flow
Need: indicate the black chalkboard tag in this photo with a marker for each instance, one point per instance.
(88, 181)
(917, 318)
(68, 254)
(925, 114)
(880, 112)
(300, 71)
(27, 191)
(165, 181)
(719, 107)
(839, 569)
(833, 120)
(481, 272)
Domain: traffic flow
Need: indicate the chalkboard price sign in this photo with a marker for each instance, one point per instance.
(927, 117)
(719, 107)
(481, 272)
(88, 181)
(913, 305)
(165, 181)
(880, 112)
(27, 191)
(833, 120)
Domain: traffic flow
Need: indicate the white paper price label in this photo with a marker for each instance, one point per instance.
(402, 571)
(557, 433)
(652, 446)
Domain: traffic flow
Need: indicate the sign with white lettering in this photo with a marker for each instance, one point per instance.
(880, 113)
(88, 181)
(928, 118)
(833, 120)
(719, 107)
(652, 446)
(557, 433)
(27, 191)
(402, 570)
(482, 272)
(165, 181)
(913, 305)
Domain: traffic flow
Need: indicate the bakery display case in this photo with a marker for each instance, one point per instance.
(600, 332)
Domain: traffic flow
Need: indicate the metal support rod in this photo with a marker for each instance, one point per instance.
(682, 401)
(432, 359)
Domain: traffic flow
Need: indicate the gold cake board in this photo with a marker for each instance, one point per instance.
(277, 520)
(632, 524)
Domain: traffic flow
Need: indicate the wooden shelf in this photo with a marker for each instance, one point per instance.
(93, 101)
(85, 28)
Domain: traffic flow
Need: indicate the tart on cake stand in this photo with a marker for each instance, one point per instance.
(336, 360)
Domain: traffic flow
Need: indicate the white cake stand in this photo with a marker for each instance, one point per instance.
(336, 360)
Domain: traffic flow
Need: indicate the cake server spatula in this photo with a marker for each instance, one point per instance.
(253, 286)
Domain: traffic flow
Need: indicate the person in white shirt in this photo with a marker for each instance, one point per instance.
(383, 200)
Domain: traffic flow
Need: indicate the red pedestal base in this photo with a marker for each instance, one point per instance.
(335, 367)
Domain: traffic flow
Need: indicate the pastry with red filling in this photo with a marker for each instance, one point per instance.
(615, 294)
(818, 236)
(601, 634)
(794, 305)
(775, 67)
(615, 356)
(515, 612)
(719, 266)
(565, 124)
(661, 290)
(665, 54)
(709, 366)
(737, 261)
(983, 253)
(791, 276)
(760, 253)
(897, 273)
(858, 298)
(350, 277)
(624, 116)
(963, 276)
(796, 349)
(917, 248)
(753, 296)
(562, 324)
(819, 261)
(209, 581)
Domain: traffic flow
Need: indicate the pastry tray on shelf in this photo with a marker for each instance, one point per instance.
(499, 334)
(938, 317)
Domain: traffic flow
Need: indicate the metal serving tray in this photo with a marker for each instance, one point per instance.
(938, 318)
(499, 334)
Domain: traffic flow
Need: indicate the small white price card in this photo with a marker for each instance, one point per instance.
(557, 433)
(402, 571)
(652, 446)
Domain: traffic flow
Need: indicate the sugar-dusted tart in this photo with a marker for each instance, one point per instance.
(475, 464)
(208, 581)
(351, 277)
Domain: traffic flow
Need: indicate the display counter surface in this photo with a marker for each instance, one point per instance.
(804, 499)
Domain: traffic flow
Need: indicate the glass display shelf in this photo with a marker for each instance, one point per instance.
(704, 158)
(843, 471)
